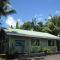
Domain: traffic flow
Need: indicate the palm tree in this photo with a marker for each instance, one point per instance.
(26, 26)
(53, 25)
(40, 26)
(5, 8)
(33, 24)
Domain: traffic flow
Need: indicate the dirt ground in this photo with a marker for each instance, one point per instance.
(52, 57)
(48, 57)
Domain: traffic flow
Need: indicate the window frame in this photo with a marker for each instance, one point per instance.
(51, 43)
(35, 42)
(19, 42)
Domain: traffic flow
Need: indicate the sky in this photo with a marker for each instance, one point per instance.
(28, 9)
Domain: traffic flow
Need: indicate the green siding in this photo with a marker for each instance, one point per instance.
(27, 45)
(11, 46)
(53, 48)
(44, 44)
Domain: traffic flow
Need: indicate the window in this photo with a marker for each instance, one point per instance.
(19, 42)
(35, 42)
(50, 43)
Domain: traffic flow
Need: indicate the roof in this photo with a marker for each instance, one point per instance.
(28, 33)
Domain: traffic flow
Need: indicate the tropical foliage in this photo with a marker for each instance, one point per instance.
(5, 8)
(26, 26)
(17, 25)
(51, 26)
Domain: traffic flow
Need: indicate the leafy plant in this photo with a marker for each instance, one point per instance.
(36, 49)
(47, 50)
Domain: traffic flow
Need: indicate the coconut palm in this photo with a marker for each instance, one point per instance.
(5, 8)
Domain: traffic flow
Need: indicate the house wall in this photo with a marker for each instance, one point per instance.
(12, 44)
(44, 44)
(27, 44)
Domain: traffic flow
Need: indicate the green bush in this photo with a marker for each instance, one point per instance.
(35, 49)
(38, 49)
(47, 50)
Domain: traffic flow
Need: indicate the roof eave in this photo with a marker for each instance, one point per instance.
(14, 34)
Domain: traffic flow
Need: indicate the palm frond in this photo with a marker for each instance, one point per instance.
(10, 12)
(5, 9)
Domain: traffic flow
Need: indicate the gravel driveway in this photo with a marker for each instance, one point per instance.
(52, 57)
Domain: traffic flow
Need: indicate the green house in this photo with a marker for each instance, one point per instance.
(24, 41)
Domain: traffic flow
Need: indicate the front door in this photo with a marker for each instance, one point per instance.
(58, 45)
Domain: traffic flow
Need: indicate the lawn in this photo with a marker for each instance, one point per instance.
(2, 59)
(5, 59)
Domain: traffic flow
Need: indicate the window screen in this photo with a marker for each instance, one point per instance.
(35, 42)
(50, 42)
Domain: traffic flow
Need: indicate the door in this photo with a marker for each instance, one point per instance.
(58, 45)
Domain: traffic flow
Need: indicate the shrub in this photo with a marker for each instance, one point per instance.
(35, 49)
(47, 50)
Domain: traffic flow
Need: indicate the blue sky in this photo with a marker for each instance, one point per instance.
(28, 9)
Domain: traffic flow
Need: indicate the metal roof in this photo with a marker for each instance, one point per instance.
(28, 33)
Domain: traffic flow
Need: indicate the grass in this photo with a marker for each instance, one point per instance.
(2, 59)
(5, 59)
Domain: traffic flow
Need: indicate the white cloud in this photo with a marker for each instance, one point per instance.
(11, 21)
(49, 17)
(58, 11)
